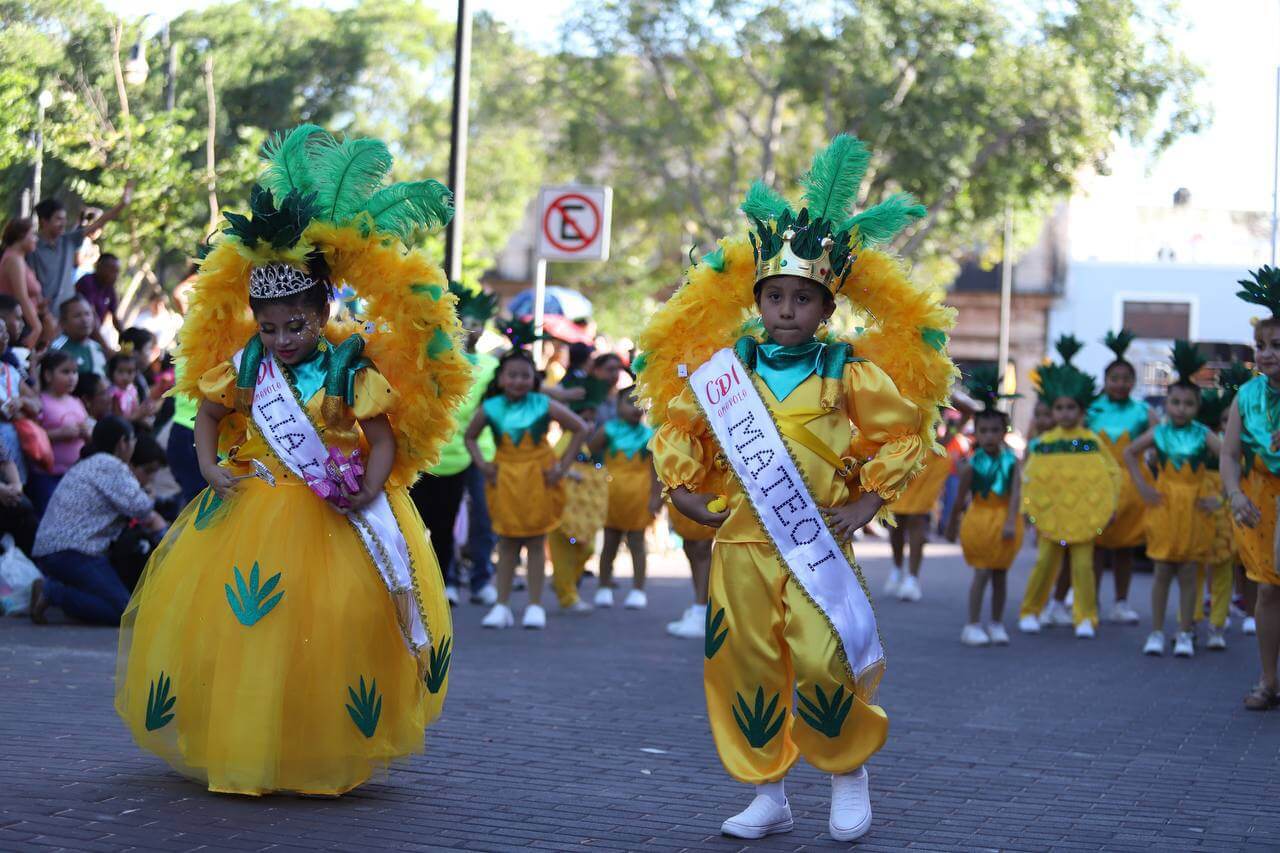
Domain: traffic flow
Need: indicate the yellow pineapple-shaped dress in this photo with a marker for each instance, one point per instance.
(982, 529)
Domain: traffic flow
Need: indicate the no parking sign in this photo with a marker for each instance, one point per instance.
(574, 223)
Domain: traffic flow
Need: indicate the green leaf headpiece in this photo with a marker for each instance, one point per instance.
(475, 305)
(1187, 362)
(1065, 379)
(1262, 288)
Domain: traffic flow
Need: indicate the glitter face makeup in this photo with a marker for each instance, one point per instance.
(289, 332)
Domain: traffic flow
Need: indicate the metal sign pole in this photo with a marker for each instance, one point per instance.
(458, 142)
(539, 295)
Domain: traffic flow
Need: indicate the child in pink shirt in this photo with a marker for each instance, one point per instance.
(64, 418)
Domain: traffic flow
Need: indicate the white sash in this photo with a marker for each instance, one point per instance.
(751, 443)
(293, 439)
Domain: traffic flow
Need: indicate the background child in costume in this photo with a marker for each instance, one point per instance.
(1056, 613)
(912, 513)
(586, 504)
(1069, 490)
(1179, 526)
(524, 491)
(1250, 465)
(766, 639)
(989, 500)
(209, 675)
(635, 496)
(1118, 419)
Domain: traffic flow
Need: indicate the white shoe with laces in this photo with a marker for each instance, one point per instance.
(850, 805)
(604, 597)
(636, 600)
(1154, 645)
(910, 589)
(1029, 625)
(894, 582)
(579, 608)
(499, 617)
(692, 626)
(765, 816)
(535, 618)
(973, 635)
(1123, 614)
(1085, 631)
(999, 636)
(1183, 647)
(1217, 640)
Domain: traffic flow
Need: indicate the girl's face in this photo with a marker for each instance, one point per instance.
(1182, 405)
(608, 372)
(99, 402)
(1067, 413)
(792, 308)
(1266, 350)
(1118, 383)
(290, 332)
(124, 374)
(989, 433)
(1043, 417)
(63, 378)
(516, 378)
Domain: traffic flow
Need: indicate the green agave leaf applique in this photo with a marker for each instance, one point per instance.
(827, 714)
(365, 708)
(209, 509)
(250, 602)
(758, 724)
(714, 636)
(160, 703)
(438, 664)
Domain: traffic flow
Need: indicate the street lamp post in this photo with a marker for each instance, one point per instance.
(43, 102)
(458, 142)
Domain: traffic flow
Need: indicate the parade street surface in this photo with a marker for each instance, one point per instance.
(593, 734)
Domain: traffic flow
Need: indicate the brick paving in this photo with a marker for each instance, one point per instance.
(593, 734)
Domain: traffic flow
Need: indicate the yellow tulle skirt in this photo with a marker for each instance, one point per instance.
(521, 503)
(1257, 544)
(1177, 530)
(263, 652)
(925, 487)
(1128, 528)
(630, 486)
(982, 534)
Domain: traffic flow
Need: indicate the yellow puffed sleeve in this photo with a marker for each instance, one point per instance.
(679, 452)
(888, 425)
(218, 385)
(373, 395)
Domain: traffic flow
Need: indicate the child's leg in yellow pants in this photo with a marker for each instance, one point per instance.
(1085, 605)
(1043, 575)
(1198, 611)
(568, 561)
(1220, 588)
(765, 642)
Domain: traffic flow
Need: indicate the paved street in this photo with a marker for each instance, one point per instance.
(594, 734)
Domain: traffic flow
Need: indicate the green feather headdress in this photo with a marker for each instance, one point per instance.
(1214, 402)
(521, 332)
(1065, 379)
(1187, 361)
(1118, 343)
(1262, 288)
(475, 305)
(821, 241)
(983, 384)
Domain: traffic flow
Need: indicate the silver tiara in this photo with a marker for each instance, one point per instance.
(275, 280)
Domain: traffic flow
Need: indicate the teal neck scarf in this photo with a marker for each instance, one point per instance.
(785, 368)
(515, 419)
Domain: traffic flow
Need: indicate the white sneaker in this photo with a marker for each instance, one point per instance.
(1123, 614)
(973, 635)
(1029, 625)
(1217, 640)
(1155, 644)
(636, 600)
(499, 617)
(1183, 647)
(910, 589)
(535, 618)
(672, 627)
(894, 581)
(579, 608)
(451, 595)
(1249, 626)
(692, 626)
(999, 636)
(763, 817)
(487, 595)
(1084, 631)
(604, 597)
(1059, 615)
(1071, 597)
(850, 805)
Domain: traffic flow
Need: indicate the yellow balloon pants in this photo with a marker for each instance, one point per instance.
(1045, 574)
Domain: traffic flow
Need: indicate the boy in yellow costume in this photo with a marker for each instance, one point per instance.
(1250, 464)
(813, 436)
(291, 631)
(1070, 486)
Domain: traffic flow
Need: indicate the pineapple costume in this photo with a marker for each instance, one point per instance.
(1259, 407)
(924, 489)
(992, 481)
(273, 642)
(586, 501)
(630, 465)
(1119, 423)
(854, 416)
(1178, 531)
(521, 503)
(1070, 489)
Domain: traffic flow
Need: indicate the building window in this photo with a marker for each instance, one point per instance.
(1164, 321)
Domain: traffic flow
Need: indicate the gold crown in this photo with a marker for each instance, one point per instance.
(787, 262)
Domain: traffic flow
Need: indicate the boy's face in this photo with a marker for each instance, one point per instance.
(989, 433)
(1182, 405)
(1067, 412)
(107, 271)
(77, 320)
(1266, 349)
(1118, 382)
(793, 308)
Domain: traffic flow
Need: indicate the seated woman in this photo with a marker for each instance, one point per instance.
(95, 500)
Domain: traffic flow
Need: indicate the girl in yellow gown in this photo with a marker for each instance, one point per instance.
(1178, 519)
(991, 533)
(634, 497)
(291, 633)
(526, 497)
